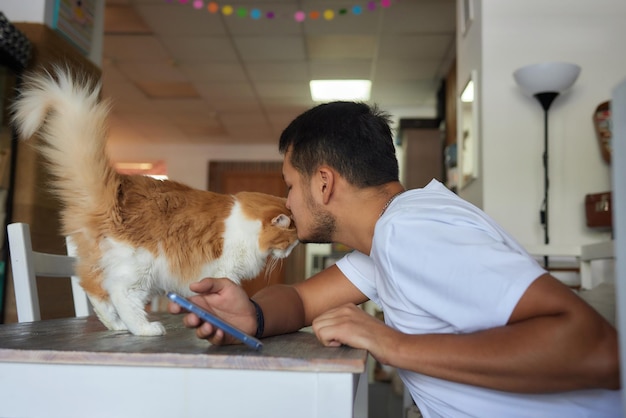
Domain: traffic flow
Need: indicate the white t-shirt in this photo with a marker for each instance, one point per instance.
(438, 264)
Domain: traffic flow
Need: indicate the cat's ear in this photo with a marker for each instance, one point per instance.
(282, 221)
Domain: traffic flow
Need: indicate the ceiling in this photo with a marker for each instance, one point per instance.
(178, 74)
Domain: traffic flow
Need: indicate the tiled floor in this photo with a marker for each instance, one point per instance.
(384, 402)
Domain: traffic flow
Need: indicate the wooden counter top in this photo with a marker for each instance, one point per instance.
(87, 341)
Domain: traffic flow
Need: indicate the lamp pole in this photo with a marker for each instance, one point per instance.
(545, 99)
(545, 81)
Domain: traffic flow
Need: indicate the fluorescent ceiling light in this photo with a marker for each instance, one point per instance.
(329, 90)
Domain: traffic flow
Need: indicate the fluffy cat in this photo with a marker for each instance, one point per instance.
(138, 237)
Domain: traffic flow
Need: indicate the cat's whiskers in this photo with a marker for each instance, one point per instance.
(272, 263)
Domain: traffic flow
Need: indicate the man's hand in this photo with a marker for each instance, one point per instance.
(351, 325)
(224, 299)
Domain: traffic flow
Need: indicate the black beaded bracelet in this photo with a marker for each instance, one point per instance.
(260, 320)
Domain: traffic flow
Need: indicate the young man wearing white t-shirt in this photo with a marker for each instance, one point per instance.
(474, 325)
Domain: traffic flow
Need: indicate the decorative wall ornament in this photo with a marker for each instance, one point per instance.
(299, 16)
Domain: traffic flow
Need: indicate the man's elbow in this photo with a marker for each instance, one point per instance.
(604, 365)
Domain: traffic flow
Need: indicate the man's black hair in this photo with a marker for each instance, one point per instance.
(353, 138)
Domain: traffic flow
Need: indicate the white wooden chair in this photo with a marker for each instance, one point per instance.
(27, 264)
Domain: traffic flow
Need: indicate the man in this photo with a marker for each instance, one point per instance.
(474, 325)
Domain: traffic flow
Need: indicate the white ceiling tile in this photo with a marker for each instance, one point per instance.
(200, 49)
(152, 128)
(159, 90)
(426, 16)
(134, 48)
(297, 104)
(111, 74)
(252, 75)
(198, 129)
(212, 72)
(341, 46)
(406, 69)
(400, 46)
(341, 69)
(253, 133)
(197, 108)
(264, 48)
(230, 119)
(181, 19)
(278, 70)
(220, 91)
(144, 71)
(282, 89)
(237, 106)
(280, 121)
(123, 91)
(123, 19)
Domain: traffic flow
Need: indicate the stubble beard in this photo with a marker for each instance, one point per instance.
(324, 224)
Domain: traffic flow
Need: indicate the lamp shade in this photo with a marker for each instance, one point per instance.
(546, 77)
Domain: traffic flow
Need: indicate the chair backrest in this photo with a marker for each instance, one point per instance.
(27, 265)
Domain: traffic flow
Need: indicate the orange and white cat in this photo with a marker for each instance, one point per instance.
(138, 237)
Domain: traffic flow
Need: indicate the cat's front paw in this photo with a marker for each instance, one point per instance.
(150, 329)
(117, 326)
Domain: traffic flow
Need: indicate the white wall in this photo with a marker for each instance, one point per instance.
(37, 11)
(509, 35)
(619, 177)
(189, 164)
(469, 58)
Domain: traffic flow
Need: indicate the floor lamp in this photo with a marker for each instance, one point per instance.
(545, 81)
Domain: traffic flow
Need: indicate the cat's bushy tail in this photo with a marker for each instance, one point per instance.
(71, 121)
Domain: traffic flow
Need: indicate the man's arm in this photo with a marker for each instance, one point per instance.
(554, 341)
(286, 308)
(289, 308)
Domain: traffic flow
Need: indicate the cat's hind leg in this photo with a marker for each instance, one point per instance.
(91, 282)
(107, 314)
(130, 304)
(128, 280)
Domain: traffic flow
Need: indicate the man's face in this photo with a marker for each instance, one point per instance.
(313, 223)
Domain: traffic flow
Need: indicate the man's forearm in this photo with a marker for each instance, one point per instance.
(501, 359)
(282, 309)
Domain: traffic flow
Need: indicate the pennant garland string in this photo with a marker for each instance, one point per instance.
(299, 16)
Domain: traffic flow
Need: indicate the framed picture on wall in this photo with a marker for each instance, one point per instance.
(74, 19)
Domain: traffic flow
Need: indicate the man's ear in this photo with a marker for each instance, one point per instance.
(327, 182)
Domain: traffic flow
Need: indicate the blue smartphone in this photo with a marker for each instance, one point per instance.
(248, 340)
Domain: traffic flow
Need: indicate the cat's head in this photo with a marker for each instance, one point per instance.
(278, 234)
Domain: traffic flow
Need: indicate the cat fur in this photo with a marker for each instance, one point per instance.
(138, 237)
